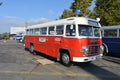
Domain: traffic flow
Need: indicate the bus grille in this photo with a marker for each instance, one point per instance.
(94, 50)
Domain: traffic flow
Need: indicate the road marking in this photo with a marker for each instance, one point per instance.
(52, 70)
(60, 68)
(63, 69)
(57, 74)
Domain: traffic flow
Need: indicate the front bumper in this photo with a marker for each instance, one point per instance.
(87, 59)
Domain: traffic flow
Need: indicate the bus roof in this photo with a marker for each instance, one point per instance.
(110, 27)
(71, 20)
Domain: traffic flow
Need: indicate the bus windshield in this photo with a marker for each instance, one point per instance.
(89, 31)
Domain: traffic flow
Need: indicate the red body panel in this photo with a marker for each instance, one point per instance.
(50, 45)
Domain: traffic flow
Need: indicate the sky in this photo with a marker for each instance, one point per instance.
(13, 13)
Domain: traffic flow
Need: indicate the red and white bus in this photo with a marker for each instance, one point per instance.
(74, 39)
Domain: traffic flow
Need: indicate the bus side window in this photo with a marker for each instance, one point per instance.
(110, 33)
(70, 30)
(51, 30)
(43, 30)
(27, 31)
(59, 30)
(36, 31)
(31, 31)
(102, 33)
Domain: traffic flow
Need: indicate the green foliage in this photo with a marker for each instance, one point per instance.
(82, 5)
(108, 11)
(5, 35)
(66, 14)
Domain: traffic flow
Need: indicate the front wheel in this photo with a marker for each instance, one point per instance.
(65, 59)
(104, 51)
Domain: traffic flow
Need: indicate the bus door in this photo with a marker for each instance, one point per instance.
(57, 39)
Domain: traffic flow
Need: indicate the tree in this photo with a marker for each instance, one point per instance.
(82, 5)
(108, 11)
(67, 13)
(5, 35)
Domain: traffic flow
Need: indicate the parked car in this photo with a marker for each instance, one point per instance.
(19, 38)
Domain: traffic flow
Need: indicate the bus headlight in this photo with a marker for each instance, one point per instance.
(85, 50)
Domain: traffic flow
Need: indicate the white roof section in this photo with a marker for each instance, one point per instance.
(16, 30)
(71, 20)
(110, 27)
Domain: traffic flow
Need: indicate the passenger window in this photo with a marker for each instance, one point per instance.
(43, 31)
(70, 30)
(36, 31)
(110, 33)
(31, 31)
(51, 30)
(27, 31)
(102, 33)
(59, 30)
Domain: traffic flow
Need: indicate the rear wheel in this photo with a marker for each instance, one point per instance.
(31, 49)
(65, 59)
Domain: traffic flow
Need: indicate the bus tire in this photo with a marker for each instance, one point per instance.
(105, 52)
(65, 59)
(31, 49)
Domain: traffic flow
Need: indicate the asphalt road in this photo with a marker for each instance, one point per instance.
(18, 64)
